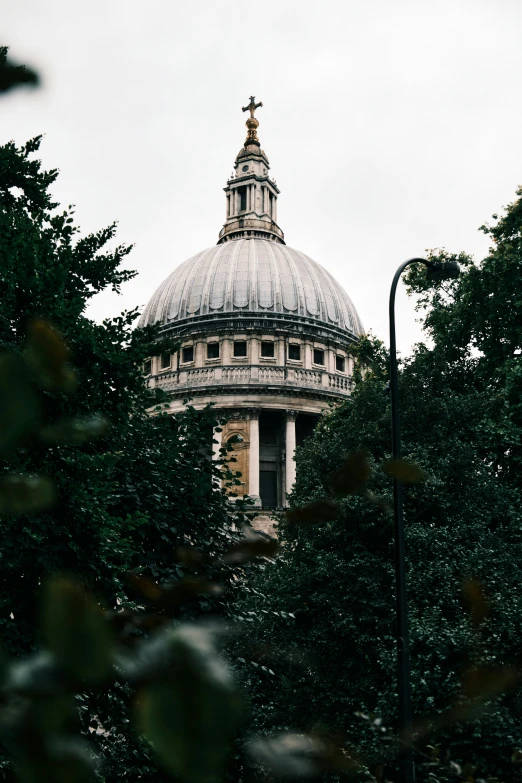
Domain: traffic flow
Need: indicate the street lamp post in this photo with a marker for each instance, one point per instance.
(441, 271)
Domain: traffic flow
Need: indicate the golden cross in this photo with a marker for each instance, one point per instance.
(252, 106)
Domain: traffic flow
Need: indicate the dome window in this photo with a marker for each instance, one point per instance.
(267, 349)
(318, 356)
(294, 352)
(187, 354)
(165, 361)
(213, 351)
(240, 348)
(339, 363)
(242, 199)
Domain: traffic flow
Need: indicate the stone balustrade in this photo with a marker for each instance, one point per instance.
(252, 375)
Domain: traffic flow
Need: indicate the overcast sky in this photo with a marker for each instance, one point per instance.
(391, 127)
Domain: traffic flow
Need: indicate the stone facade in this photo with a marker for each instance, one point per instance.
(264, 333)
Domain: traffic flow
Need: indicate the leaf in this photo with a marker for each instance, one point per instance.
(300, 755)
(12, 76)
(145, 587)
(486, 682)
(37, 675)
(77, 631)
(403, 471)
(19, 405)
(76, 431)
(48, 355)
(23, 494)
(192, 710)
(476, 600)
(248, 549)
(318, 511)
(352, 475)
(190, 557)
(171, 596)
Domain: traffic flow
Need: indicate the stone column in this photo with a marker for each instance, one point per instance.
(217, 436)
(280, 351)
(290, 451)
(253, 458)
(199, 353)
(226, 350)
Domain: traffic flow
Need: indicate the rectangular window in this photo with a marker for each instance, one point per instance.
(240, 348)
(165, 360)
(339, 363)
(267, 350)
(318, 356)
(147, 367)
(213, 351)
(187, 354)
(242, 199)
(294, 352)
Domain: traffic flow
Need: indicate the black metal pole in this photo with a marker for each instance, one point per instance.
(407, 766)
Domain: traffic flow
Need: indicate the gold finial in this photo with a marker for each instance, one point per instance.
(252, 123)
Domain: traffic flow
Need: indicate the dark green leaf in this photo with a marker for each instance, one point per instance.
(404, 471)
(76, 431)
(249, 548)
(353, 474)
(48, 355)
(192, 712)
(19, 405)
(77, 631)
(318, 511)
(25, 494)
(12, 76)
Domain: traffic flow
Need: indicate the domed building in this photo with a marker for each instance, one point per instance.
(265, 332)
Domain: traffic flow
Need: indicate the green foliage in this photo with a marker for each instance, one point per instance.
(186, 700)
(322, 619)
(90, 483)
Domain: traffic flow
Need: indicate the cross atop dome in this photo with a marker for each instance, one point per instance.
(252, 122)
(252, 106)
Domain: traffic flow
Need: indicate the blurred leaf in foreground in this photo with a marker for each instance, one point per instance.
(476, 601)
(191, 709)
(318, 511)
(404, 471)
(12, 76)
(22, 494)
(76, 431)
(48, 355)
(169, 597)
(19, 405)
(352, 475)
(249, 548)
(77, 631)
(300, 756)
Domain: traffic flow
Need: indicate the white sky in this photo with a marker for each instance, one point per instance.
(391, 127)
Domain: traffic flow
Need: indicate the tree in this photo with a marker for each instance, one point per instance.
(125, 500)
(328, 624)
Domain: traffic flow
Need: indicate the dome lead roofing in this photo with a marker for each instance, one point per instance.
(252, 276)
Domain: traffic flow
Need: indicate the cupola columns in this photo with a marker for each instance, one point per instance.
(251, 195)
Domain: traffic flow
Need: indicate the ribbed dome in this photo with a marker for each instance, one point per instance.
(252, 276)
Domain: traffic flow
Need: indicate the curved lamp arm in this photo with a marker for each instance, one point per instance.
(436, 272)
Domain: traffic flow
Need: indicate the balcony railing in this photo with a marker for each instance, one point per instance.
(253, 375)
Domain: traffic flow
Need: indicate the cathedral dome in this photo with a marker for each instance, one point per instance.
(250, 276)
